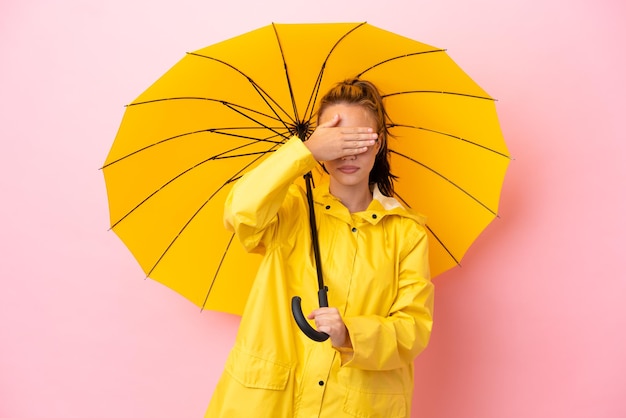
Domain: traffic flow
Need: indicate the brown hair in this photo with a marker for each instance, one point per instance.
(364, 93)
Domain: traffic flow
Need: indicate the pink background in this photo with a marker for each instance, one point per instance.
(533, 323)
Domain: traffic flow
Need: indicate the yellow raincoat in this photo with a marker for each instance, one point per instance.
(375, 265)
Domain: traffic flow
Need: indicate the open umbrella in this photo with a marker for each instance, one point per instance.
(220, 110)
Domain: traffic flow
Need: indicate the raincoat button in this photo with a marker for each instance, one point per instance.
(374, 216)
(321, 383)
(353, 229)
(327, 206)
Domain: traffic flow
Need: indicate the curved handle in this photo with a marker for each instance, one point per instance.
(309, 331)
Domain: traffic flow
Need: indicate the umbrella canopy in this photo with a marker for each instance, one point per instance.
(220, 110)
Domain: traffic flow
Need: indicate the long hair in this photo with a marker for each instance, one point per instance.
(364, 93)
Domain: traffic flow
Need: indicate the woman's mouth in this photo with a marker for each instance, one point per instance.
(348, 169)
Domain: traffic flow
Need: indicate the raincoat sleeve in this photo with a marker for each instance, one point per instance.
(384, 343)
(255, 199)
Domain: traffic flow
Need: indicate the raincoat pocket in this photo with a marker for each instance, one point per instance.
(374, 405)
(253, 371)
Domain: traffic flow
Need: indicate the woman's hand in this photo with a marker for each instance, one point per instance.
(330, 141)
(329, 320)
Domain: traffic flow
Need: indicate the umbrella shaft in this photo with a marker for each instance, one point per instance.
(316, 246)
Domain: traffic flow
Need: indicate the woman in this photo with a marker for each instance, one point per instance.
(375, 260)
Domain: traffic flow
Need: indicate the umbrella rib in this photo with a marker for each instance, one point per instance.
(396, 125)
(217, 131)
(456, 261)
(259, 122)
(233, 178)
(262, 93)
(219, 267)
(232, 106)
(446, 179)
(286, 68)
(452, 93)
(212, 158)
(226, 103)
(411, 54)
(318, 83)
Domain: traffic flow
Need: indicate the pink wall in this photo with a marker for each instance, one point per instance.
(531, 326)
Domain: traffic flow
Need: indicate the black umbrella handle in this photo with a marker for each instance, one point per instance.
(322, 293)
(303, 324)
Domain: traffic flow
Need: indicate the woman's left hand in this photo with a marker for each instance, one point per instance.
(329, 320)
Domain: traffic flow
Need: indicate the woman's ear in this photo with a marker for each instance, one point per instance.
(379, 145)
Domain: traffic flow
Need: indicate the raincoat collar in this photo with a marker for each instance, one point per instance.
(379, 207)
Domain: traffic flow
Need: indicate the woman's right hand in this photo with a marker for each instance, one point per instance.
(331, 141)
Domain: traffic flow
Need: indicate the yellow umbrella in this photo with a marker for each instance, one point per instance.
(218, 112)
